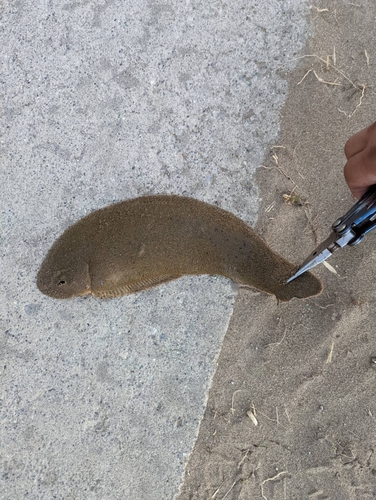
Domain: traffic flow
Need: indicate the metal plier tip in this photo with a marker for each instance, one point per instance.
(349, 229)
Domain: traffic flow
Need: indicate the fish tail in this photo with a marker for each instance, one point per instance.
(269, 272)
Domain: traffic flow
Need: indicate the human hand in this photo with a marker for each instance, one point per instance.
(360, 169)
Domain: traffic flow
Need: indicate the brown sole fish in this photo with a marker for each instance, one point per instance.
(140, 243)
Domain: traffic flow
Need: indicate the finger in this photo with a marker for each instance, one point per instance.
(360, 171)
(356, 143)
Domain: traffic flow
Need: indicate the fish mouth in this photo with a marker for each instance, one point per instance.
(51, 289)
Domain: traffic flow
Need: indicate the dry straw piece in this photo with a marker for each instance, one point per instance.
(252, 415)
(329, 267)
(274, 478)
(330, 355)
(328, 66)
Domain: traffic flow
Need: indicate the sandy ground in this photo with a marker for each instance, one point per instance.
(302, 371)
(103, 101)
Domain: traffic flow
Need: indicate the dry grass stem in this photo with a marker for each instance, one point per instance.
(346, 78)
(266, 416)
(330, 355)
(305, 76)
(278, 167)
(325, 81)
(271, 419)
(320, 10)
(282, 172)
(216, 491)
(334, 56)
(270, 207)
(274, 478)
(280, 341)
(324, 61)
(232, 409)
(252, 415)
(283, 336)
(242, 460)
(363, 87)
(229, 491)
(275, 158)
(322, 307)
(367, 57)
(287, 415)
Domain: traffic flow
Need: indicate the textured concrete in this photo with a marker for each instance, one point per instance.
(103, 102)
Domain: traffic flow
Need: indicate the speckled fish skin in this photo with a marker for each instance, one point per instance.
(140, 243)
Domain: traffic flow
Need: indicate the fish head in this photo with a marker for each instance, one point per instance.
(64, 274)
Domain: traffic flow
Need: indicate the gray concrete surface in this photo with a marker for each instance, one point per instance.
(103, 101)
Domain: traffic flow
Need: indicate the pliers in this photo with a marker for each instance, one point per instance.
(349, 229)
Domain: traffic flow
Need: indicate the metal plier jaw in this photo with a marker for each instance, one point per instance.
(349, 229)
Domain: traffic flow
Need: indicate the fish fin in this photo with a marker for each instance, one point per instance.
(137, 286)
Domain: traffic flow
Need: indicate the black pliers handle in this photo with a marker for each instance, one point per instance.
(349, 229)
(360, 219)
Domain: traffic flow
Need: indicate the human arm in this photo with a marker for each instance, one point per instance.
(360, 169)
